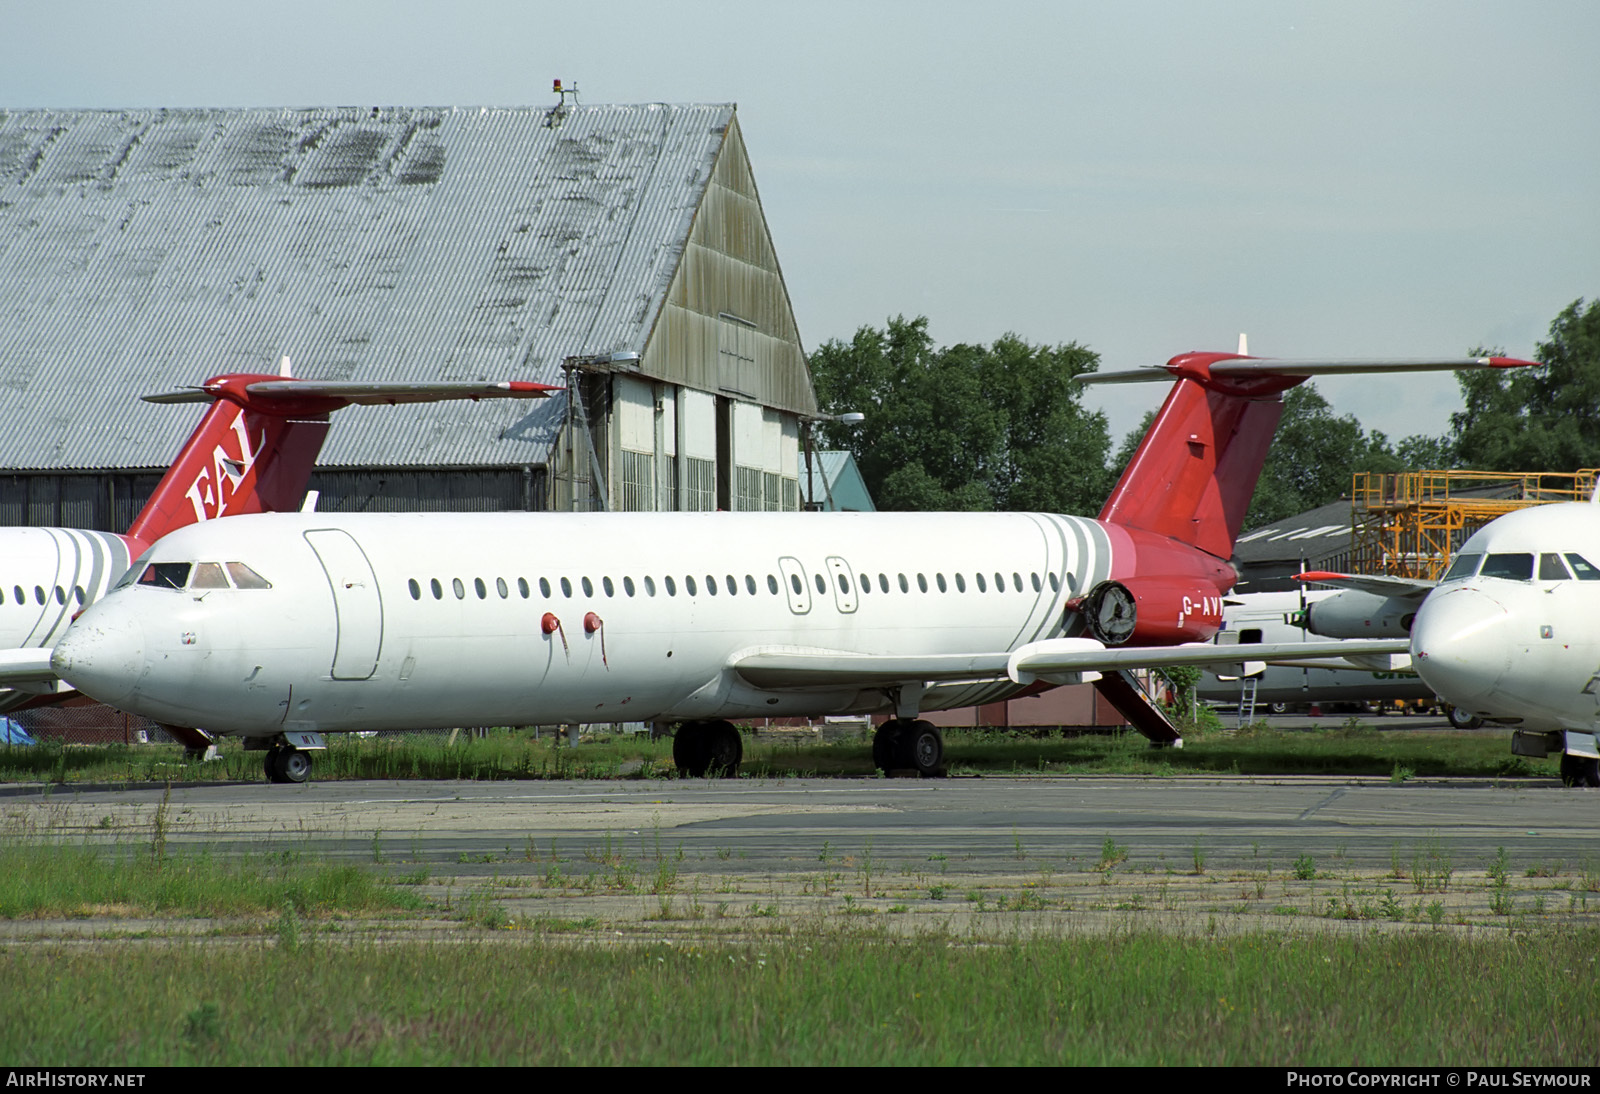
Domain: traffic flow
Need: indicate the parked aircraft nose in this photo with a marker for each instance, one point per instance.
(1461, 645)
(102, 653)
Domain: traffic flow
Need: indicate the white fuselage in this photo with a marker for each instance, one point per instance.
(387, 621)
(1513, 633)
(46, 576)
(1274, 617)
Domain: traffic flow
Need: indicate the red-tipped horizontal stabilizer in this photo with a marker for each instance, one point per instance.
(254, 450)
(1194, 473)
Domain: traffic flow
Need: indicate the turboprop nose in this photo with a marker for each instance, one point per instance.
(1461, 645)
(102, 653)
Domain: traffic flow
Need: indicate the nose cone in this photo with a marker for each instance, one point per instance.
(102, 654)
(1461, 646)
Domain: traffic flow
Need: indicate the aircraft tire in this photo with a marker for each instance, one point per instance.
(723, 750)
(690, 750)
(922, 748)
(1579, 771)
(1278, 708)
(295, 765)
(887, 751)
(1460, 719)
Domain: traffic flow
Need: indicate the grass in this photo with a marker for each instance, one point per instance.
(817, 998)
(1348, 750)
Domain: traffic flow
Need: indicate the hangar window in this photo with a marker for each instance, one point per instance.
(522, 587)
(1582, 567)
(1464, 566)
(978, 577)
(588, 587)
(1551, 569)
(689, 587)
(480, 588)
(605, 583)
(438, 590)
(500, 587)
(459, 589)
(1513, 566)
(627, 585)
(163, 575)
(416, 590)
(650, 586)
(672, 590)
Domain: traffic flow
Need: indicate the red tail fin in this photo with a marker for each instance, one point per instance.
(254, 450)
(1197, 467)
(241, 458)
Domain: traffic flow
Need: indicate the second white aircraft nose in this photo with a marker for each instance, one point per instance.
(102, 653)
(1460, 645)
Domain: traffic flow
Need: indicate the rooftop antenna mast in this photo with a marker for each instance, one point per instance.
(558, 113)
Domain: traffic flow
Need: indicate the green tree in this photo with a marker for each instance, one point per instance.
(1537, 419)
(967, 427)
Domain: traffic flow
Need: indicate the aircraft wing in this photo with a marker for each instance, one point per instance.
(1057, 660)
(1376, 584)
(353, 391)
(1235, 366)
(24, 667)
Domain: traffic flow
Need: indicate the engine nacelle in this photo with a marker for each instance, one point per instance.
(1153, 611)
(1351, 613)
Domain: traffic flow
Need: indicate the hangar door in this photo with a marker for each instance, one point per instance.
(356, 605)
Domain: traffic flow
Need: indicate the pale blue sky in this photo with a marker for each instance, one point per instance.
(1338, 179)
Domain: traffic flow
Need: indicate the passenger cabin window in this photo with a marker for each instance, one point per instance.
(416, 590)
(1463, 567)
(1581, 566)
(1511, 566)
(1551, 569)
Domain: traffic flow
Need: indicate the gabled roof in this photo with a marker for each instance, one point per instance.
(144, 250)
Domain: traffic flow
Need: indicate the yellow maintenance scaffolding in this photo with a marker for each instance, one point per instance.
(1409, 524)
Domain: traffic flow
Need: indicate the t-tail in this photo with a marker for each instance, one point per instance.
(256, 446)
(1196, 469)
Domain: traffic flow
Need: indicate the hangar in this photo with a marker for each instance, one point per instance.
(620, 250)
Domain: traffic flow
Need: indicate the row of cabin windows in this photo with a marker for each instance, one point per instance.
(19, 597)
(728, 583)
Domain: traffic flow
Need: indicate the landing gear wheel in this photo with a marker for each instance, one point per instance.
(887, 751)
(707, 748)
(287, 765)
(1579, 770)
(1278, 708)
(1463, 719)
(922, 748)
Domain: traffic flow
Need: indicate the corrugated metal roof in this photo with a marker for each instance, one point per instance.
(140, 250)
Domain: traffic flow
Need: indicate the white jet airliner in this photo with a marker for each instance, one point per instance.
(280, 628)
(252, 452)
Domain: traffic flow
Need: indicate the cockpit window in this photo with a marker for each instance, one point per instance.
(1463, 566)
(1581, 566)
(207, 575)
(246, 578)
(1512, 567)
(166, 575)
(1551, 569)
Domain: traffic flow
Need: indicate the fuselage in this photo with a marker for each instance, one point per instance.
(46, 577)
(1513, 631)
(408, 621)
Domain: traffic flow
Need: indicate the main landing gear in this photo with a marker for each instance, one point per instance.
(287, 765)
(707, 748)
(903, 744)
(1579, 770)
